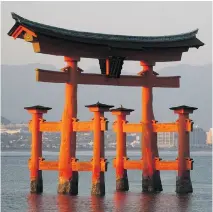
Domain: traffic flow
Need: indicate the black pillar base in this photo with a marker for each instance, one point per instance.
(152, 184)
(122, 184)
(36, 186)
(98, 188)
(184, 184)
(69, 186)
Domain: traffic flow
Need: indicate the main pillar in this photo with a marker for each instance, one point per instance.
(68, 179)
(151, 181)
(122, 183)
(36, 181)
(98, 180)
(183, 181)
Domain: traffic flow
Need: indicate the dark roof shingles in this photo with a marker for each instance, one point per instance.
(37, 107)
(184, 107)
(108, 39)
(99, 105)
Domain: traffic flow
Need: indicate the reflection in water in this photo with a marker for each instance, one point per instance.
(184, 201)
(66, 203)
(160, 202)
(97, 204)
(35, 202)
(16, 198)
(147, 202)
(121, 202)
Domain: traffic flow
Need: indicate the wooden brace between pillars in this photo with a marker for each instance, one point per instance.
(157, 127)
(159, 164)
(99, 79)
(74, 163)
(77, 126)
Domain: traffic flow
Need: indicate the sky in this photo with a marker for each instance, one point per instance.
(127, 18)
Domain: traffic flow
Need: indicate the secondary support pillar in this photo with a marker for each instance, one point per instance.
(151, 181)
(98, 180)
(122, 183)
(183, 181)
(36, 181)
(68, 179)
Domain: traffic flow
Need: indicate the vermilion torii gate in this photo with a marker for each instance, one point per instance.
(111, 51)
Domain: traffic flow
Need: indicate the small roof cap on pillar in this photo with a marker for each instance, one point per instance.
(100, 105)
(37, 107)
(183, 107)
(121, 109)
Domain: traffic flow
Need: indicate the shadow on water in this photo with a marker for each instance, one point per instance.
(120, 202)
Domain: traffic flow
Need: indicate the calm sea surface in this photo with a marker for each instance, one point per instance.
(15, 195)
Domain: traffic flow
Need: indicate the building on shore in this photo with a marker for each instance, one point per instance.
(166, 139)
(197, 137)
(14, 128)
(209, 137)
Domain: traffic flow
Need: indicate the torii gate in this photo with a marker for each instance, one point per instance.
(111, 51)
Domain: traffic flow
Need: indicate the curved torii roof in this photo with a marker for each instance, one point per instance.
(57, 41)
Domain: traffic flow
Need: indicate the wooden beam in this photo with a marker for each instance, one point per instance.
(130, 164)
(157, 127)
(51, 76)
(159, 164)
(128, 80)
(82, 126)
(133, 164)
(98, 79)
(165, 127)
(166, 82)
(82, 166)
(128, 128)
(46, 165)
(76, 165)
(172, 165)
(87, 166)
(48, 126)
(138, 127)
(78, 126)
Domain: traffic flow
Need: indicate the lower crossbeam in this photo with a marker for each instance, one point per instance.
(76, 165)
(159, 164)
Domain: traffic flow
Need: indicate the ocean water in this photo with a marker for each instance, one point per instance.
(16, 197)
